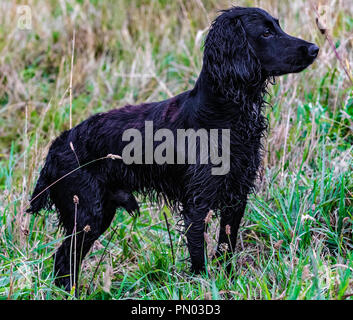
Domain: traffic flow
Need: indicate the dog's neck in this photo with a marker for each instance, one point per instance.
(242, 99)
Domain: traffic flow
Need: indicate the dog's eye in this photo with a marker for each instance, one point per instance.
(267, 34)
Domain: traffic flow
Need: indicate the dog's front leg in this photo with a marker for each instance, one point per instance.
(228, 232)
(194, 230)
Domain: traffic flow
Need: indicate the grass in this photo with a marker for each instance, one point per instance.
(296, 238)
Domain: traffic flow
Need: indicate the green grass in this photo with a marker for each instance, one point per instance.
(295, 241)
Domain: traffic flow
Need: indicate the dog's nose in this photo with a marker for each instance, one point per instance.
(313, 50)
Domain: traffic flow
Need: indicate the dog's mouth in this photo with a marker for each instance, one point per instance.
(296, 65)
(291, 68)
(301, 67)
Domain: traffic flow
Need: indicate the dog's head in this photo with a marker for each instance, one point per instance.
(248, 44)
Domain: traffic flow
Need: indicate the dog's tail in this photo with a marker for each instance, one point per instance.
(41, 196)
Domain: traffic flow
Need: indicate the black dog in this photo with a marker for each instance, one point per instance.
(244, 49)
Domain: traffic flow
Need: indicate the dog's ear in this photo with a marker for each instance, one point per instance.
(229, 61)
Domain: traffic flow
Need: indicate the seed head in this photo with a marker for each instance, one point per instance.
(278, 244)
(76, 199)
(113, 156)
(209, 217)
(345, 219)
(223, 247)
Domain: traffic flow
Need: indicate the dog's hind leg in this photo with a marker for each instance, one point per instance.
(75, 247)
(84, 222)
(84, 216)
(69, 256)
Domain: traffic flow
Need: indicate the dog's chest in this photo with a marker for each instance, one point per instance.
(246, 135)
